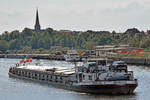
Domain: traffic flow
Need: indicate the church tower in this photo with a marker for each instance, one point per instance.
(37, 26)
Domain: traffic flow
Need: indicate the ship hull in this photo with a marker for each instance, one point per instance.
(113, 89)
(92, 89)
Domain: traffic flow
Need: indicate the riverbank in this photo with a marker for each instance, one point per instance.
(34, 56)
(134, 61)
(128, 60)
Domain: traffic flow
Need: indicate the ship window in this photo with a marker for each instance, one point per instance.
(90, 77)
(22, 73)
(43, 77)
(13, 72)
(35, 76)
(76, 76)
(18, 73)
(39, 76)
(61, 80)
(29, 74)
(83, 77)
(47, 77)
(25, 74)
(56, 77)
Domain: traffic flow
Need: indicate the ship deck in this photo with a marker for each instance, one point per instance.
(58, 70)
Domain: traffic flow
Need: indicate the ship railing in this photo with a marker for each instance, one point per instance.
(130, 72)
(109, 82)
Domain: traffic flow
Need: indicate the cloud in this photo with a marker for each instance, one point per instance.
(131, 7)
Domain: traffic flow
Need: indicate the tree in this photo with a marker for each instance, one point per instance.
(90, 45)
(27, 50)
(3, 46)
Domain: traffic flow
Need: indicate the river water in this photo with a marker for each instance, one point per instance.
(16, 89)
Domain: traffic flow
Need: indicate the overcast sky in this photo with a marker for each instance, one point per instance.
(109, 15)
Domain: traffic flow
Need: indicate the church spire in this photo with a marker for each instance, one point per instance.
(37, 23)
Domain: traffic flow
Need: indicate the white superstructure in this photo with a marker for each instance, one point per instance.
(72, 55)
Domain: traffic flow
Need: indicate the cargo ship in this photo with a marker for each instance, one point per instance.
(91, 77)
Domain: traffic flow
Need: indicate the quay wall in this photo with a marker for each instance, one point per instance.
(34, 56)
(133, 61)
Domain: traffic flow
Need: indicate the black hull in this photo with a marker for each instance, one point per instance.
(92, 89)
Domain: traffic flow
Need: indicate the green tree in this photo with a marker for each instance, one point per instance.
(3, 45)
(90, 45)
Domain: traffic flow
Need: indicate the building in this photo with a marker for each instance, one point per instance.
(109, 49)
(37, 27)
(100, 50)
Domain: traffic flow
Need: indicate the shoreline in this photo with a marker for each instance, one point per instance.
(34, 56)
(131, 61)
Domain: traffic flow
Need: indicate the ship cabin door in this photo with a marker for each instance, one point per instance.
(80, 77)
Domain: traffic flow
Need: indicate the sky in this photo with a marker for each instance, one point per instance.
(79, 15)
